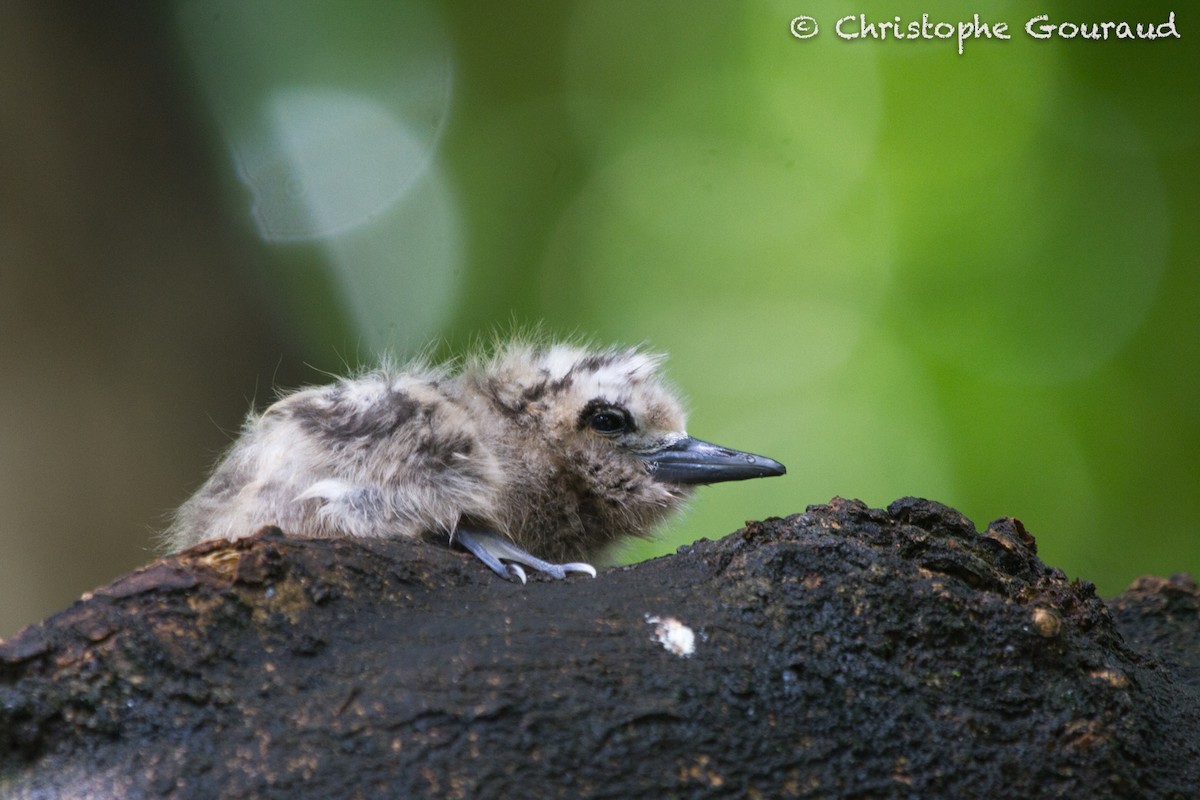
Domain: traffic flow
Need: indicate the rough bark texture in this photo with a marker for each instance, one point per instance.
(843, 652)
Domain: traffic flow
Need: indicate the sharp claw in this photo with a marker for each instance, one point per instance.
(491, 548)
(579, 566)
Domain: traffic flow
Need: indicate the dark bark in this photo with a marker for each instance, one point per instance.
(844, 652)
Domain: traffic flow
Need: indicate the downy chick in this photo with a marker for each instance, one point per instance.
(552, 449)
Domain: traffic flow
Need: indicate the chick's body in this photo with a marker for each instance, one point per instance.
(502, 445)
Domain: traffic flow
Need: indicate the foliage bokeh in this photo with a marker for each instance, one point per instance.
(897, 269)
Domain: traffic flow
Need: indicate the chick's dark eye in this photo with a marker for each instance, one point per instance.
(608, 421)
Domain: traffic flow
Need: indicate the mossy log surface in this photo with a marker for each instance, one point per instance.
(843, 652)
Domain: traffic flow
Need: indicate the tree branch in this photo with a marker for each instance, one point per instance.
(843, 652)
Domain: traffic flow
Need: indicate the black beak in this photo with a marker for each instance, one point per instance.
(693, 461)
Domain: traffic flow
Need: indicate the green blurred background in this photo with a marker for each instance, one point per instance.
(896, 269)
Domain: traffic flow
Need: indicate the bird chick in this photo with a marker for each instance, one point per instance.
(553, 449)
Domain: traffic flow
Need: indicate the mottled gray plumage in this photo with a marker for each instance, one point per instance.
(554, 449)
